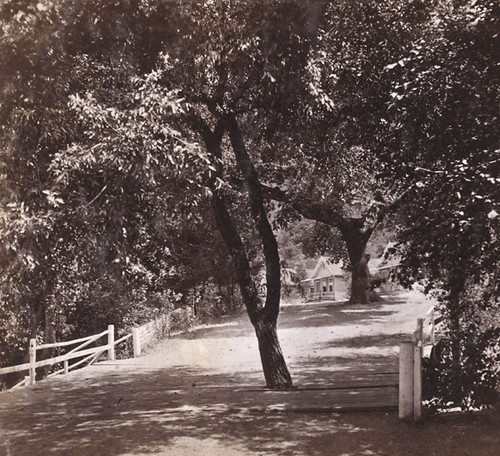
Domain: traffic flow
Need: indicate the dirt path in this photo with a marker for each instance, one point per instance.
(201, 394)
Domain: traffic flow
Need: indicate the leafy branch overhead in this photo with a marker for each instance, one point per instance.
(140, 140)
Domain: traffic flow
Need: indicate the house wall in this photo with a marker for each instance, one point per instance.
(322, 288)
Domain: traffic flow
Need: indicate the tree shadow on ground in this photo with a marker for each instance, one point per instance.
(135, 410)
(145, 412)
(187, 412)
(319, 315)
(309, 315)
(376, 340)
(129, 409)
(346, 371)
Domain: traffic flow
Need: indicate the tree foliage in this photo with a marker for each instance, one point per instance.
(323, 156)
(131, 131)
(445, 111)
(92, 224)
(133, 158)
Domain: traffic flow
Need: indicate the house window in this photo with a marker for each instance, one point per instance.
(331, 287)
(324, 288)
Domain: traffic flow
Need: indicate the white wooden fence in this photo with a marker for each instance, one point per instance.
(142, 337)
(89, 355)
(410, 365)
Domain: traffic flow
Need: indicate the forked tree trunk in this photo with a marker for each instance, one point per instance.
(274, 365)
(263, 316)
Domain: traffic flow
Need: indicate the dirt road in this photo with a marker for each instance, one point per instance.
(201, 394)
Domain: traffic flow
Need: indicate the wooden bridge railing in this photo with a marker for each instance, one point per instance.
(143, 336)
(410, 365)
(89, 355)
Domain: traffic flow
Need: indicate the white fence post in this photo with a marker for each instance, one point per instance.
(32, 353)
(111, 342)
(136, 342)
(406, 379)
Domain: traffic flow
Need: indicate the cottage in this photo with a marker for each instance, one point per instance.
(329, 281)
(383, 268)
(326, 281)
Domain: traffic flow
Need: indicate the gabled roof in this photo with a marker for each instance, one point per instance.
(325, 268)
(386, 260)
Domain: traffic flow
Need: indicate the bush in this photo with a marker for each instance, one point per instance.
(475, 384)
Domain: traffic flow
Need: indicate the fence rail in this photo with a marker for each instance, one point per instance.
(142, 337)
(88, 355)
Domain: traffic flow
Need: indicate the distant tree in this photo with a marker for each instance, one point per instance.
(322, 154)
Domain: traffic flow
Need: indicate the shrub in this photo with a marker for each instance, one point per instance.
(475, 384)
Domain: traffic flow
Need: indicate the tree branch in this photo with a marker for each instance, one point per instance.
(225, 224)
(321, 211)
(270, 245)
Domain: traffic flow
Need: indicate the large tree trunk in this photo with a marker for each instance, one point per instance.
(263, 316)
(356, 239)
(360, 282)
(273, 362)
